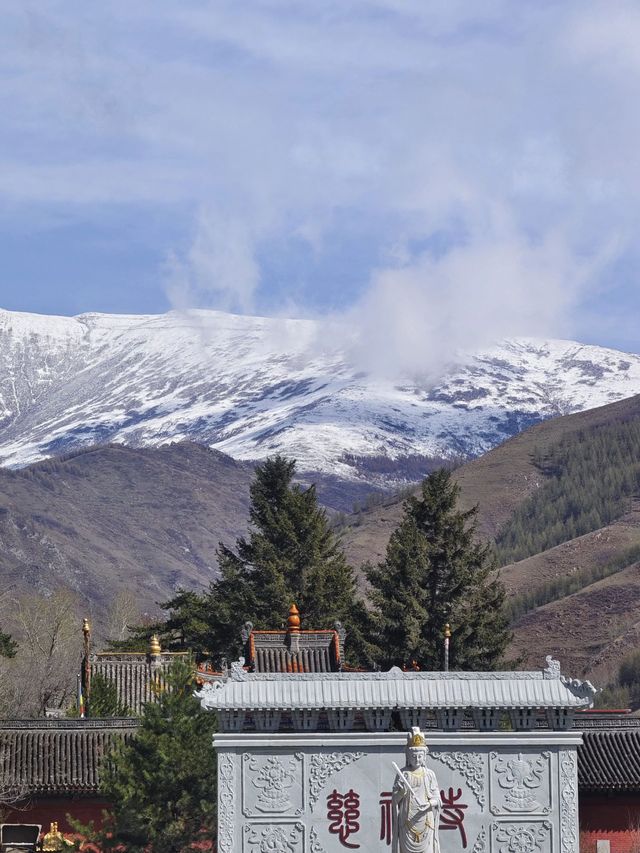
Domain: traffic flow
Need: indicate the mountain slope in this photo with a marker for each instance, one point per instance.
(119, 519)
(252, 386)
(591, 582)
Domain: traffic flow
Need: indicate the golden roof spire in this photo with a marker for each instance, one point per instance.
(154, 646)
(293, 622)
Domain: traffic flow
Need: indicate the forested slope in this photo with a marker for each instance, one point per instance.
(561, 500)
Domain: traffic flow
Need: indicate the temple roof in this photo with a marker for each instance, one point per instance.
(292, 649)
(56, 757)
(609, 759)
(397, 689)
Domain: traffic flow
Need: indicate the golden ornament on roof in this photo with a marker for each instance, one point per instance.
(293, 622)
(154, 646)
(54, 840)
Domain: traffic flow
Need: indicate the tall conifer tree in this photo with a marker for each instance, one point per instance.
(161, 784)
(290, 556)
(436, 572)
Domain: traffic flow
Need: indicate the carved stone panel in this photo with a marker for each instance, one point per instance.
(273, 837)
(569, 801)
(521, 837)
(226, 803)
(323, 765)
(272, 785)
(472, 766)
(520, 782)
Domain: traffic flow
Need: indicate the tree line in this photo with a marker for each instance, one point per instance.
(161, 784)
(590, 480)
(435, 572)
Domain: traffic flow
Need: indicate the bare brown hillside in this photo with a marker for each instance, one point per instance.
(116, 518)
(590, 631)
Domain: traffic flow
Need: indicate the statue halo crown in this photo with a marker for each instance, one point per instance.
(416, 738)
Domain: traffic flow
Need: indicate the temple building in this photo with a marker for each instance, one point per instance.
(609, 782)
(303, 737)
(51, 767)
(138, 677)
(307, 750)
(294, 650)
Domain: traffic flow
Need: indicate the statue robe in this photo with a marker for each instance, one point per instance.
(415, 829)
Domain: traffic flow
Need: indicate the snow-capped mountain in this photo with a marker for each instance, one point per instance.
(251, 386)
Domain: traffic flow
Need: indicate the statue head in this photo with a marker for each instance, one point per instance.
(417, 748)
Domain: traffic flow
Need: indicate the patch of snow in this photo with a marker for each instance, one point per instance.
(252, 386)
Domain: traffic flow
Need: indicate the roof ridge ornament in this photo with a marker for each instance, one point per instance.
(553, 668)
(238, 672)
(293, 621)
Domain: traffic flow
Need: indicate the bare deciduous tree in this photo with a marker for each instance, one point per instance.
(43, 672)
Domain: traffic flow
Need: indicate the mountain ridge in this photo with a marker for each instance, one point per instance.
(251, 387)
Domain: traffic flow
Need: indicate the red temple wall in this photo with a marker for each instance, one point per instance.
(47, 809)
(614, 818)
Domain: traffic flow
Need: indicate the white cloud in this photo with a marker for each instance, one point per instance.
(486, 156)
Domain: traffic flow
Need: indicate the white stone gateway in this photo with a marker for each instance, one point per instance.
(306, 761)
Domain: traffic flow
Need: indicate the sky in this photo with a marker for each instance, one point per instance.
(433, 174)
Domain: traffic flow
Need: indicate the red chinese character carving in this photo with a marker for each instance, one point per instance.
(385, 817)
(343, 810)
(452, 813)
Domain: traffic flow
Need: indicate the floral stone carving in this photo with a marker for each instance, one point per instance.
(273, 838)
(273, 779)
(314, 842)
(568, 802)
(471, 765)
(521, 837)
(519, 777)
(323, 765)
(481, 841)
(226, 803)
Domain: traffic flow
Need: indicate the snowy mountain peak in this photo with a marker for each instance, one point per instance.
(253, 386)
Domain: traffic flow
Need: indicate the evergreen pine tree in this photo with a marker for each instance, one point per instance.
(436, 572)
(104, 701)
(290, 556)
(161, 784)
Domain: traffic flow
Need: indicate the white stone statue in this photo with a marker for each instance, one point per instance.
(416, 801)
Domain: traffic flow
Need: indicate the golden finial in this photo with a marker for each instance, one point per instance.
(86, 628)
(293, 622)
(54, 840)
(447, 631)
(154, 646)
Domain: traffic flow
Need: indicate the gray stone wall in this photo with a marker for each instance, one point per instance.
(502, 792)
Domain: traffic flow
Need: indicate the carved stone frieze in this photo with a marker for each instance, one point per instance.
(226, 803)
(273, 778)
(314, 842)
(322, 765)
(470, 765)
(522, 779)
(568, 801)
(274, 838)
(481, 841)
(521, 837)
(272, 784)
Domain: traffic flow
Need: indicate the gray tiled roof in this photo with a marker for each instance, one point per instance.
(137, 677)
(397, 689)
(305, 651)
(56, 757)
(610, 759)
